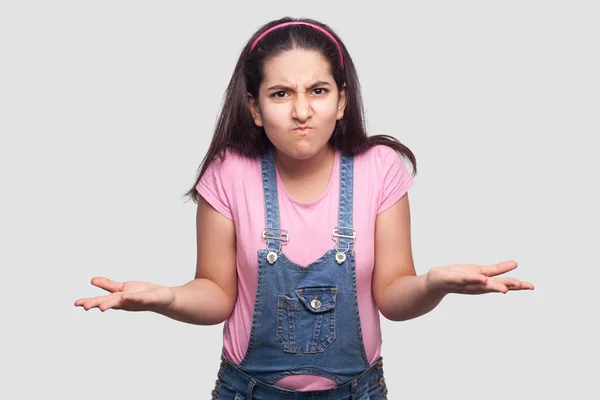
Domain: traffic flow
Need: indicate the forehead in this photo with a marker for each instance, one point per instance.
(297, 66)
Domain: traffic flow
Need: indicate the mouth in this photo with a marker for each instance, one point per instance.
(302, 130)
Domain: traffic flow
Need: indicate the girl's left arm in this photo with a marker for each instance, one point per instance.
(398, 292)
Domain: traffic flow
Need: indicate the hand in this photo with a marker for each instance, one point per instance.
(474, 279)
(128, 296)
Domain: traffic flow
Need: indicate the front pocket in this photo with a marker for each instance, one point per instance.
(306, 324)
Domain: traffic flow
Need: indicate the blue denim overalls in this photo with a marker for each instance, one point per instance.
(306, 319)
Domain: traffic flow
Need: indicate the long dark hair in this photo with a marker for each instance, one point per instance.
(235, 128)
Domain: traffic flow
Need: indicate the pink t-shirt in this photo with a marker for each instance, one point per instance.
(234, 188)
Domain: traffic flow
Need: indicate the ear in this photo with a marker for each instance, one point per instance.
(341, 103)
(254, 110)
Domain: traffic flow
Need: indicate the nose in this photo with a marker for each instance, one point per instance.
(302, 108)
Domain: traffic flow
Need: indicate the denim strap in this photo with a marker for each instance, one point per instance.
(269, 178)
(346, 201)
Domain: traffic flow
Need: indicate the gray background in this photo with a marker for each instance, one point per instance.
(106, 109)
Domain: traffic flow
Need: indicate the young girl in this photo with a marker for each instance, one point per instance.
(303, 230)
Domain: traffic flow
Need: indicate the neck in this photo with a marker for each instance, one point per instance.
(299, 169)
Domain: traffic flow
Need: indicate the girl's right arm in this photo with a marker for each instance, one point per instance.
(209, 298)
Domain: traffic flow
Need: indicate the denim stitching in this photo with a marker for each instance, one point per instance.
(298, 327)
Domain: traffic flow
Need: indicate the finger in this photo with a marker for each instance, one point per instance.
(527, 285)
(115, 302)
(466, 279)
(515, 284)
(498, 269)
(92, 302)
(133, 302)
(496, 286)
(519, 285)
(488, 287)
(80, 302)
(107, 284)
(510, 283)
(95, 301)
(458, 279)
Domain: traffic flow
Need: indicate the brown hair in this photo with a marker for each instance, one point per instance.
(235, 128)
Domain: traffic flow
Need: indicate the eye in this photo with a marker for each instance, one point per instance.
(323, 90)
(276, 94)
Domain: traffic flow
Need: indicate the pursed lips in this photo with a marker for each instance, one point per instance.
(305, 129)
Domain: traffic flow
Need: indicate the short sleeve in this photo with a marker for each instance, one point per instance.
(215, 186)
(396, 178)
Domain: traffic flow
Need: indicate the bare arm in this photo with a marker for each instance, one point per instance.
(401, 295)
(398, 292)
(209, 298)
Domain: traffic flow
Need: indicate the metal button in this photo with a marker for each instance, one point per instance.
(218, 384)
(384, 392)
(381, 380)
(315, 303)
(215, 394)
(340, 257)
(272, 257)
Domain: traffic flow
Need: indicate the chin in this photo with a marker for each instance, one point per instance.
(300, 152)
(300, 148)
(300, 155)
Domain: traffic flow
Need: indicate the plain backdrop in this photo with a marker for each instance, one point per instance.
(107, 108)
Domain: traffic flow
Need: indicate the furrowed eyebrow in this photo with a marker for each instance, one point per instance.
(285, 87)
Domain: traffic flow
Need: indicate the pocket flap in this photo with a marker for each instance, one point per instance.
(318, 299)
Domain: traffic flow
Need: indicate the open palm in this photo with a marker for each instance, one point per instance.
(128, 296)
(475, 279)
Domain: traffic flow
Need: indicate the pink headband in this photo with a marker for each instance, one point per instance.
(300, 23)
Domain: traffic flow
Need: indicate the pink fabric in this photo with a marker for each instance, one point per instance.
(234, 188)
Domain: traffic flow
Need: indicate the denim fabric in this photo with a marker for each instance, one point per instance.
(306, 318)
(235, 384)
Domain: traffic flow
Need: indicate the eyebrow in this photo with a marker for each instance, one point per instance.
(285, 87)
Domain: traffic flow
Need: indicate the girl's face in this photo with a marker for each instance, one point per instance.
(298, 103)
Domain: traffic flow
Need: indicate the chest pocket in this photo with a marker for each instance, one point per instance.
(307, 324)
